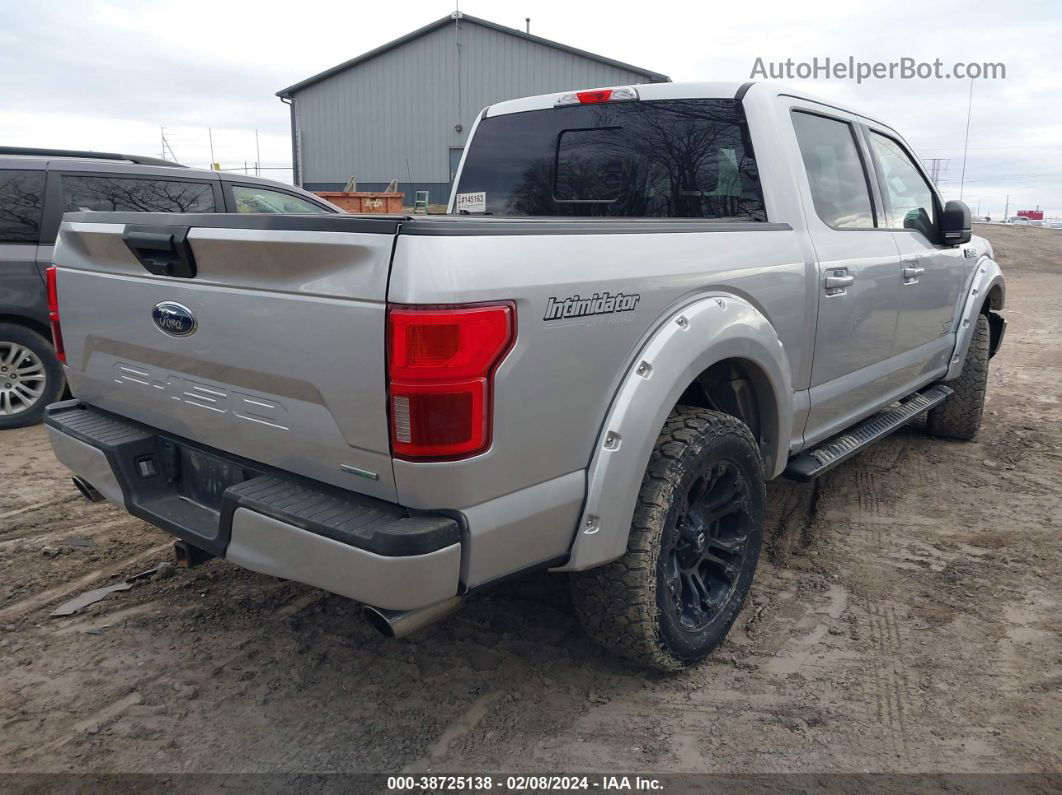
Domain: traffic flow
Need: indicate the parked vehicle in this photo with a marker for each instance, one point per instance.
(649, 301)
(1019, 220)
(36, 187)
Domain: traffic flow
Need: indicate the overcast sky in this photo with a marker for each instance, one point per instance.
(109, 75)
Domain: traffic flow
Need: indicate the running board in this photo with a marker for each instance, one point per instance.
(809, 464)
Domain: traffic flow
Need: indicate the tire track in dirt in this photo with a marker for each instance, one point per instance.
(886, 686)
(462, 726)
(790, 511)
(72, 729)
(808, 650)
(106, 620)
(101, 715)
(864, 503)
(42, 598)
(40, 506)
(57, 531)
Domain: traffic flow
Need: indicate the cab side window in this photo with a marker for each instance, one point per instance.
(838, 181)
(911, 204)
(136, 194)
(21, 205)
(262, 200)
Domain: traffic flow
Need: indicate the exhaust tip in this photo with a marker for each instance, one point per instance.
(378, 621)
(88, 491)
(399, 623)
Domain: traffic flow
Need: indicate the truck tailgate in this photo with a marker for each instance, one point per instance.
(285, 360)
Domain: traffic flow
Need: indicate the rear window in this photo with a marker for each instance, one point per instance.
(21, 205)
(136, 194)
(685, 158)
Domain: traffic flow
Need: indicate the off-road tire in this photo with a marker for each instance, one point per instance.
(959, 416)
(12, 334)
(626, 605)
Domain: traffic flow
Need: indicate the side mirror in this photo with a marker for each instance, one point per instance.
(955, 224)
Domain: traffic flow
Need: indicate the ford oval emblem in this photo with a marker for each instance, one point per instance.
(174, 319)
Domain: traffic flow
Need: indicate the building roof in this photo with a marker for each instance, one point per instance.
(652, 77)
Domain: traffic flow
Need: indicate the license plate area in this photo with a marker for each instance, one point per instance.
(197, 476)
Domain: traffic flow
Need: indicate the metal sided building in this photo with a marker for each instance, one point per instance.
(404, 110)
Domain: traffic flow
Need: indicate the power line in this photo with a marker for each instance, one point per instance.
(241, 168)
(1017, 176)
(1009, 161)
(987, 148)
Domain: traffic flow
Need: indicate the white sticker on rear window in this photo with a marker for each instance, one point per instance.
(471, 202)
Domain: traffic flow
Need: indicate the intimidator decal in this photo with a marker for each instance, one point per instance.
(597, 304)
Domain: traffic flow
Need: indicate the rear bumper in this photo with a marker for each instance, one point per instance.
(264, 520)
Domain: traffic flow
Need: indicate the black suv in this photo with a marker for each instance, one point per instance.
(36, 187)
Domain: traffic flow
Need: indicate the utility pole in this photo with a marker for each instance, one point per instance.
(210, 135)
(166, 146)
(936, 166)
(1006, 210)
(966, 143)
(257, 154)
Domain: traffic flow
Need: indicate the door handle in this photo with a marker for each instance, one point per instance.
(911, 274)
(835, 285)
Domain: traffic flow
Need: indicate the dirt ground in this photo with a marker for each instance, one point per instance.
(906, 617)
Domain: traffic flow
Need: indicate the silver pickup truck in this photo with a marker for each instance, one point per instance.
(645, 302)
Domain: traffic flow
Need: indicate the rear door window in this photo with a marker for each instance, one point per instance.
(836, 176)
(255, 199)
(683, 158)
(21, 205)
(136, 194)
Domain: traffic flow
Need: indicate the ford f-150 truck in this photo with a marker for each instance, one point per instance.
(645, 302)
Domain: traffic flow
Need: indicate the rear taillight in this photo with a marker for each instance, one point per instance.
(53, 315)
(440, 367)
